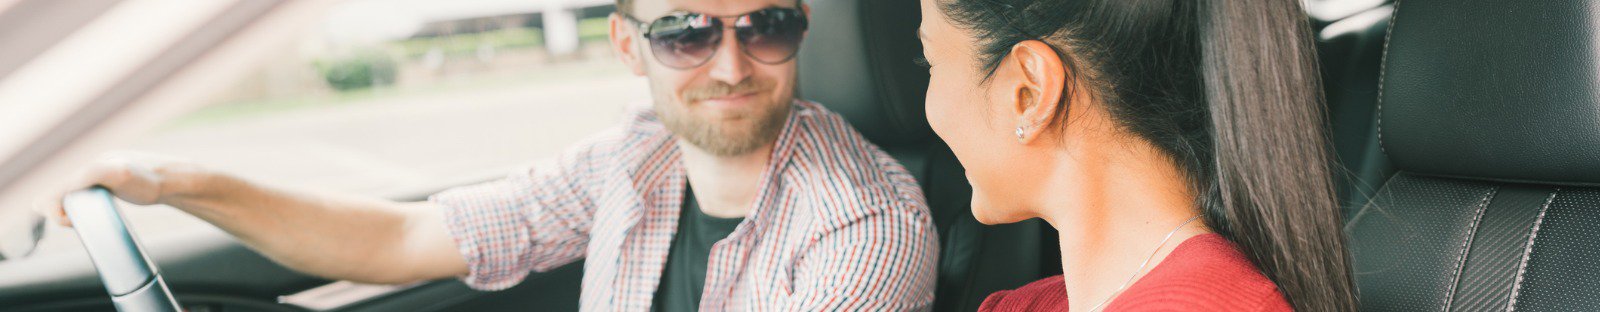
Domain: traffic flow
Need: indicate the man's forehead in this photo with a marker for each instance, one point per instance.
(654, 8)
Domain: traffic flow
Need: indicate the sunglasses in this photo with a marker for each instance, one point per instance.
(684, 40)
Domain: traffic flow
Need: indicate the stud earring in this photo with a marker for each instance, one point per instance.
(1019, 132)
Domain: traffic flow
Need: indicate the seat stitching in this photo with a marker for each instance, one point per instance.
(1383, 72)
(1472, 232)
(1527, 251)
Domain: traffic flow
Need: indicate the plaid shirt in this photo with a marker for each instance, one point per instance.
(837, 225)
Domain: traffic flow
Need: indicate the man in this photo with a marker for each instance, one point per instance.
(727, 194)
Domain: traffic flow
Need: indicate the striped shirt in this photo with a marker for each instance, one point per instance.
(836, 225)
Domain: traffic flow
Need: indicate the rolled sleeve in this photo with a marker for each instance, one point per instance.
(882, 262)
(531, 221)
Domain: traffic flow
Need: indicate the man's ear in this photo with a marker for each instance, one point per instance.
(622, 42)
(806, 8)
(1033, 78)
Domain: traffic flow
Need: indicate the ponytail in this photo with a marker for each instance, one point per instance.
(1272, 193)
(1230, 90)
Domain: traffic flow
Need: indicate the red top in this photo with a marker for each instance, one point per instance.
(1205, 273)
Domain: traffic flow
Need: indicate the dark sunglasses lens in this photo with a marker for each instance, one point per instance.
(685, 41)
(772, 35)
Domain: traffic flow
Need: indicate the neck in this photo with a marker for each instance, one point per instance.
(1124, 207)
(725, 186)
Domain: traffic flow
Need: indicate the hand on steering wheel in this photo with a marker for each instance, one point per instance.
(128, 274)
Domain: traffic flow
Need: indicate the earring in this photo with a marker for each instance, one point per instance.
(1019, 132)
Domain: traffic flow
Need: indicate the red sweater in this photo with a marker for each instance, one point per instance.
(1205, 273)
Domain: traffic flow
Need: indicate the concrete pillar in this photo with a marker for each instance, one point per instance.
(560, 29)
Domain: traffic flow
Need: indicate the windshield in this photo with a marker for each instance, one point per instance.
(398, 98)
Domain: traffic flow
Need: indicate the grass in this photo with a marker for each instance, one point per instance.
(589, 30)
(467, 44)
(594, 29)
(250, 109)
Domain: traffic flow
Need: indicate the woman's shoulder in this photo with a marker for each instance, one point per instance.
(1205, 273)
(1048, 294)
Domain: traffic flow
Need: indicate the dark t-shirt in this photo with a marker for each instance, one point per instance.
(684, 276)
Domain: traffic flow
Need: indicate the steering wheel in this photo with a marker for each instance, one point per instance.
(129, 276)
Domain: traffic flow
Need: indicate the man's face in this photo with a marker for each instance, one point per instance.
(730, 105)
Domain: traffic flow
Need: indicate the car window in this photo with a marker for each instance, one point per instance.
(399, 98)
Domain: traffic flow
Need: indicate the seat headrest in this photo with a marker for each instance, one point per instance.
(1495, 90)
(857, 60)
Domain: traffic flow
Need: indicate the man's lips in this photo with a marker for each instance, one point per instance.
(732, 96)
(730, 100)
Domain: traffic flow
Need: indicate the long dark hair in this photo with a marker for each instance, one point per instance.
(1230, 90)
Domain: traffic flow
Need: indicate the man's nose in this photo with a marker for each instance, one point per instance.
(730, 65)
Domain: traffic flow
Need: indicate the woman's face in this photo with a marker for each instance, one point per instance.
(976, 121)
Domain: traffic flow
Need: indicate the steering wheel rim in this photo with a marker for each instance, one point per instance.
(126, 271)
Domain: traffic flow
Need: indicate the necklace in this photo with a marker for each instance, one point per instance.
(1142, 265)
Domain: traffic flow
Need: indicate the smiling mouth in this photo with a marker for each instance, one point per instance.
(729, 100)
(733, 96)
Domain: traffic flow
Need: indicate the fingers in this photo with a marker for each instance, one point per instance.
(134, 177)
(126, 176)
(50, 208)
(109, 174)
(60, 215)
(111, 171)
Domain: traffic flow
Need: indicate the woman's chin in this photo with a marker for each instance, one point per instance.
(989, 215)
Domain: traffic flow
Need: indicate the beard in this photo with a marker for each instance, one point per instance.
(734, 132)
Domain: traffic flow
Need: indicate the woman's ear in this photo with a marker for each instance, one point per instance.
(622, 42)
(1034, 79)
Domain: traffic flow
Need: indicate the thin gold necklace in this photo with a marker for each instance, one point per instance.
(1142, 265)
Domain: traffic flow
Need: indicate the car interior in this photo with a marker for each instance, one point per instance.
(1466, 136)
(1488, 111)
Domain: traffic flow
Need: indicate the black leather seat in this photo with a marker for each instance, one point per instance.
(1490, 110)
(1350, 50)
(857, 60)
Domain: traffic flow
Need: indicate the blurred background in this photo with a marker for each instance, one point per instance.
(396, 97)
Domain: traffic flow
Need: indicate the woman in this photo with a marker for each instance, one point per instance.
(1175, 144)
